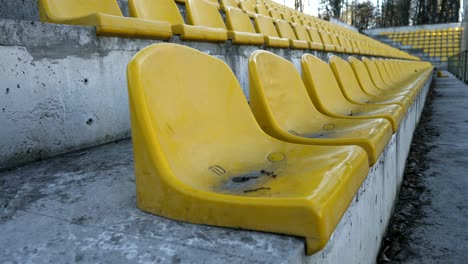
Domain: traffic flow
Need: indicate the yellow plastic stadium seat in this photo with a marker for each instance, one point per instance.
(302, 34)
(368, 85)
(380, 83)
(241, 30)
(248, 7)
(327, 44)
(326, 95)
(283, 109)
(316, 41)
(396, 80)
(228, 3)
(105, 15)
(285, 15)
(265, 26)
(275, 14)
(201, 157)
(352, 90)
(210, 29)
(262, 10)
(336, 43)
(285, 31)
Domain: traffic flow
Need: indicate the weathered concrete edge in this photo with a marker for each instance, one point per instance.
(359, 234)
(64, 89)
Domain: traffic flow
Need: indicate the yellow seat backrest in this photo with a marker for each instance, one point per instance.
(275, 81)
(302, 33)
(285, 30)
(159, 10)
(321, 84)
(237, 20)
(265, 26)
(178, 107)
(203, 13)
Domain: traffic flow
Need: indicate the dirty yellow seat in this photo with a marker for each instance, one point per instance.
(283, 109)
(326, 95)
(265, 26)
(240, 29)
(352, 90)
(200, 156)
(105, 15)
(285, 31)
(205, 21)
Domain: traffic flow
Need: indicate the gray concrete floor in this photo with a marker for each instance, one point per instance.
(441, 234)
(81, 208)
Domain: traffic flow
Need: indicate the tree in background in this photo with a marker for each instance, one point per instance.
(331, 8)
(390, 13)
(364, 13)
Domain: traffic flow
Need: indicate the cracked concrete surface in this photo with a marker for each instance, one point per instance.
(81, 208)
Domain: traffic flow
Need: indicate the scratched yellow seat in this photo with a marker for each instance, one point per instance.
(283, 109)
(326, 95)
(352, 90)
(105, 15)
(201, 157)
(206, 24)
(241, 30)
(265, 26)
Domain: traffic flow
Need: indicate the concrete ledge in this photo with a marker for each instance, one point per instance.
(64, 89)
(81, 207)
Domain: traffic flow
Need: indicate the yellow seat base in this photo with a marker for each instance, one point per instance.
(117, 26)
(276, 42)
(199, 33)
(245, 38)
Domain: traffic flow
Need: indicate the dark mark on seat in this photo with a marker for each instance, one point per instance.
(269, 173)
(243, 178)
(257, 189)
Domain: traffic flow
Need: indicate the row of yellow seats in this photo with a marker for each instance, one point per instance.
(161, 18)
(447, 31)
(291, 163)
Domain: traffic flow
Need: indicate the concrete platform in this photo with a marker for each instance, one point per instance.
(81, 208)
(441, 235)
